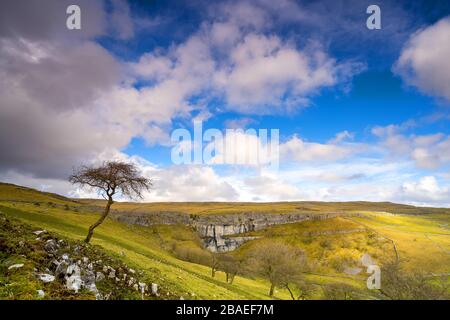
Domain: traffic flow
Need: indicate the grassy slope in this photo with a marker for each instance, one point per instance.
(140, 246)
(422, 239)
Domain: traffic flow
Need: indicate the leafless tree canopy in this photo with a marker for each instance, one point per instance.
(278, 262)
(111, 178)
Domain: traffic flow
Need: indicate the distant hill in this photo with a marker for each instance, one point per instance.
(11, 192)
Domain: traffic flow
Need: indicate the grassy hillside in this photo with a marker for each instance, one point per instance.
(139, 247)
(421, 237)
(421, 242)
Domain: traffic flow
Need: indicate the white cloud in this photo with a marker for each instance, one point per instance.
(424, 60)
(299, 150)
(425, 191)
(342, 136)
(269, 187)
(267, 75)
(427, 151)
(68, 101)
(179, 182)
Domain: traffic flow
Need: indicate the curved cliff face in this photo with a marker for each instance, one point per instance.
(215, 230)
(223, 244)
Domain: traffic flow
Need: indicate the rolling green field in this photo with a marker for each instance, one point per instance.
(420, 237)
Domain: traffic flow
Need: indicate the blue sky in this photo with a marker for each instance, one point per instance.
(362, 114)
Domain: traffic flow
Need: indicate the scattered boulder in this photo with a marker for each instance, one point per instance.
(73, 278)
(142, 286)
(61, 269)
(99, 276)
(88, 278)
(71, 266)
(38, 232)
(154, 289)
(15, 266)
(51, 246)
(45, 277)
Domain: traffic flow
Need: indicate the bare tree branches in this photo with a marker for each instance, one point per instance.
(278, 262)
(111, 178)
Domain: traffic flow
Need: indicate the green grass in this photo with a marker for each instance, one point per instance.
(422, 241)
(330, 245)
(421, 235)
(140, 247)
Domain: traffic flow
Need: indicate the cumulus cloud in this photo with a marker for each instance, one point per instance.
(299, 150)
(47, 123)
(65, 98)
(191, 183)
(255, 73)
(427, 151)
(423, 61)
(266, 75)
(45, 20)
(269, 187)
(177, 182)
(424, 191)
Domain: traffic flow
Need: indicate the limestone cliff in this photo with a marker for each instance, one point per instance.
(219, 231)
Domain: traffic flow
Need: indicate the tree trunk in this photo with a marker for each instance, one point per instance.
(99, 221)
(290, 292)
(272, 286)
(228, 277)
(213, 272)
(232, 278)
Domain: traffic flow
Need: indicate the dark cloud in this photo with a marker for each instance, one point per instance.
(46, 19)
(50, 79)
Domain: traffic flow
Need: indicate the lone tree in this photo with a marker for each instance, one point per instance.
(278, 262)
(110, 179)
(230, 265)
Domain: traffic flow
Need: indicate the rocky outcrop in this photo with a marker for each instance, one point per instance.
(76, 271)
(224, 244)
(219, 231)
(53, 268)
